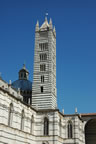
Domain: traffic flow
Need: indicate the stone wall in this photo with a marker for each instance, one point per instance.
(32, 129)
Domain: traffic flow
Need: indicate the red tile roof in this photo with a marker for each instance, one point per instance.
(88, 114)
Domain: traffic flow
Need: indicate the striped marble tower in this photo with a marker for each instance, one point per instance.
(44, 77)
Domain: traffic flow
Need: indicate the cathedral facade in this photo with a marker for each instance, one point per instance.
(28, 111)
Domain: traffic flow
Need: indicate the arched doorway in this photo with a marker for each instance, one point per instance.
(90, 132)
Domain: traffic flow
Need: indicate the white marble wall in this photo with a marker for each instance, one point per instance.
(58, 122)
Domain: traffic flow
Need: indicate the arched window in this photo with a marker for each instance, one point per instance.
(42, 79)
(10, 117)
(42, 67)
(70, 135)
(32, 125)
(45, 56)
(46, 126)
(24, 75)
(22, 120)
(21, 75)
(43, 46)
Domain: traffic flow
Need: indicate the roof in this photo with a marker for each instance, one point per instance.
(22, 84)
(88, 114)
(45, 25)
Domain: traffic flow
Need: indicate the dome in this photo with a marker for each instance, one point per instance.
(22, 84)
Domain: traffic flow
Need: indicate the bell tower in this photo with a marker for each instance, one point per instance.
(44, 77)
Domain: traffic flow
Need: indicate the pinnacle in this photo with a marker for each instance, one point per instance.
(37, 25)
(46, 19)
(50, 22)
(54, 29)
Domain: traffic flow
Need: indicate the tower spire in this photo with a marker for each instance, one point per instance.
(45, 19)
(46, 16)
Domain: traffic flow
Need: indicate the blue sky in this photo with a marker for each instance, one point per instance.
(75, 22)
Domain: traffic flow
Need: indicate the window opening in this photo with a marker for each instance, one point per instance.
(41, 89)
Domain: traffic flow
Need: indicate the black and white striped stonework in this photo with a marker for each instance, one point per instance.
(44, 92)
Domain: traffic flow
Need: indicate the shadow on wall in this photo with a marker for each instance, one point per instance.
(90, 132)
